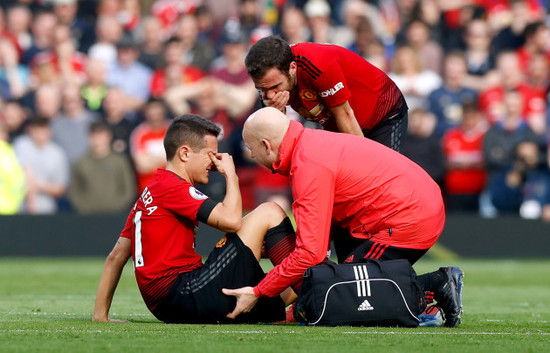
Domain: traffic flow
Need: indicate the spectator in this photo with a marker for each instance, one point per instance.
(504, 136)
(63, 64)
(131, 76)
(14, 77)
(364, 37)
(42, 30)
(510, 37)
(377, 55)
(121, 121)
(480, 59)
(498, 151)
(81, 31)
(413, 80)
(318, 16)
(5, 34)
(234, 87)
(12, 178)
(446, 102)
(511, 77)
(293, 27)
(531, 177)
(101, 181)
(151, 51)
(146, 141)
(175, 71)
(18, 22)
(94, 89)
(422, 146)
(249, 16)
(70, 128)
(209, 29)
(108, 32)
(197, 53)
(46, 167)
(13, 117)
(47, 101)
(429, 52)
(537, 40)
(130, 15)
(353, 13)
(465, 175)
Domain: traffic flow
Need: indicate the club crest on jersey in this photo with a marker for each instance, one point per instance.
(196, 194)
(308, 95)
(222, 242)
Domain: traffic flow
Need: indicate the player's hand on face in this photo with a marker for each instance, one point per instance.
(223, 163)
(279, 101)
(246, 299)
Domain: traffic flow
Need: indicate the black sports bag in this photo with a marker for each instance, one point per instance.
(373, 293)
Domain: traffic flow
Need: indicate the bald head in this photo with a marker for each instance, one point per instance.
(263, 133)
(267, 123)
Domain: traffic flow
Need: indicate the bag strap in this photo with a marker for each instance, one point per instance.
(373, 261)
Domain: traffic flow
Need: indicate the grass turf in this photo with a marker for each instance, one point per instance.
(46, 306)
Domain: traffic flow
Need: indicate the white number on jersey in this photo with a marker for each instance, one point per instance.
(138, 250)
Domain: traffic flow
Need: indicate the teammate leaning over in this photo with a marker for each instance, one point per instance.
(330, 85)
(370, 200)
(160, 236)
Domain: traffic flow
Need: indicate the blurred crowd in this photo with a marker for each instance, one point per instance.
(88, 87)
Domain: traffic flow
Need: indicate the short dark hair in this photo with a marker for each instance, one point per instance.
(99, 126)
(188, 129)
(268, 52)
(38, 121)
(532, 28)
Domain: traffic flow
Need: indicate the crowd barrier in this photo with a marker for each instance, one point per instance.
(67, 234)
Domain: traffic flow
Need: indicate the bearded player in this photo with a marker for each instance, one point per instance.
(330, 85)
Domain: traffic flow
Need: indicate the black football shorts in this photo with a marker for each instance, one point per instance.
(196, 297)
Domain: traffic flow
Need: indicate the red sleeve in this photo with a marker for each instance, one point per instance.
(313, 191)
(184, 201)
(332, 85)
(127, 230)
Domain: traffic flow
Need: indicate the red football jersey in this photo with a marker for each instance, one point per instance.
(329, 75)
(162, 229)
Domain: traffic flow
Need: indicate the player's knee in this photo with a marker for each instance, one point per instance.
(273, 212)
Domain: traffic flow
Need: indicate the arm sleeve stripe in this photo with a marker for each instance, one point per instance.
(206, 208)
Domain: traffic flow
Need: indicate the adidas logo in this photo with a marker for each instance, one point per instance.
(365, 306)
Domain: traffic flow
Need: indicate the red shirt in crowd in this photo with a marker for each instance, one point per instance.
(145, 139)
(162, 229)
(491, 102)
(159, 83)
(358, 184)
(329, 75)
(464, 147)
(49, 60)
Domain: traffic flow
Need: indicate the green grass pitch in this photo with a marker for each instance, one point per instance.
(46, 306)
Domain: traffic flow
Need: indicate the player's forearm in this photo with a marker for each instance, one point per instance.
(346, 120)
(232, 201)
(110, 277)
(106, 290)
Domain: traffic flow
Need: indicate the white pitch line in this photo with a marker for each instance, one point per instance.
(449, 333)
(290, 332)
